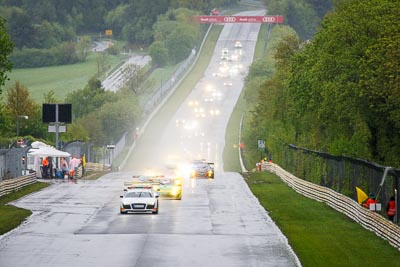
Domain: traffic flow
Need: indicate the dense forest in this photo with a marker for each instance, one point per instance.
(304, 16)
(337, 93)
(51, 32)
(44, 23)
(332, 85)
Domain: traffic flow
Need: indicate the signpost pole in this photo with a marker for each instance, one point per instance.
(57, 126)
(261, 147)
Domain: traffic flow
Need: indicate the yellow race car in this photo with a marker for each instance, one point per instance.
(166, 187)
(170, 187)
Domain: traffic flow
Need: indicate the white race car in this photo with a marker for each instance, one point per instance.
(139, 200)
(238, 44)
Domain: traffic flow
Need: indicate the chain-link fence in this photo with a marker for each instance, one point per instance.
(342, 173)
(13, 162)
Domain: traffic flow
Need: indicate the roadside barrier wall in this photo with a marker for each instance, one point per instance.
(368, 219)
(10, 185)
(91, 166)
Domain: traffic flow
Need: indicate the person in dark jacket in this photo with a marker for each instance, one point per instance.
(45, 167)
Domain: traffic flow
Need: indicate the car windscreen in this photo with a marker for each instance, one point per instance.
(138, 194)
(167, 182)
(201, 166)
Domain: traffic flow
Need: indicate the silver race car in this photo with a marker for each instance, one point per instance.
(202, 169)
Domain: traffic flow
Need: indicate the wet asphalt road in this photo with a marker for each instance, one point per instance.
(217, 223)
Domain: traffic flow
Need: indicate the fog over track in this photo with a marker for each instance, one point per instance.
(217, 223)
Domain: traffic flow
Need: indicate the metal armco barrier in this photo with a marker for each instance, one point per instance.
(368, 219)
(10, 185)
(90, 166)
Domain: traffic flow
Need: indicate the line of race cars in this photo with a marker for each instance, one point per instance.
(142, 193)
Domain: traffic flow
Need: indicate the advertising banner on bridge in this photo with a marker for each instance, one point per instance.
(239, 19)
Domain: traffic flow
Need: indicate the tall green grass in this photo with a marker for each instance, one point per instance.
(319, 235)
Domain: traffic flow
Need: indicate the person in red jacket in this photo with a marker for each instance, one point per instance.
(391, 208)
(370, 200)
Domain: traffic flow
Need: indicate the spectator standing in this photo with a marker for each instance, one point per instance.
(74, 164)
(45, 167)
(258, 165)
(391, 208)
(64, 167)
(83, 163)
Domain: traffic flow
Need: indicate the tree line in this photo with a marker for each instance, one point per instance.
(48, 32)
(99, 116)
(304, 16)
(338, 92)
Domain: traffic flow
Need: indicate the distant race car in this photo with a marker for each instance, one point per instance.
(170, 187)
(238, 44)
(224, 54)
(228, 83)
(180, 123)
(139, 199)
(202, 169)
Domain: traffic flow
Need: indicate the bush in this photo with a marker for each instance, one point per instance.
(34, 58)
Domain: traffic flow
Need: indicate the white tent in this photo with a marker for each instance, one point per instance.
(48, 152)
(42, 150)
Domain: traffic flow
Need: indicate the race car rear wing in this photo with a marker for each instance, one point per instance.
(151, 181)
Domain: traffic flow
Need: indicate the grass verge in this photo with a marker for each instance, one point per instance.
(319, 235)
(230, 153)
(93, 175)
(12, 216)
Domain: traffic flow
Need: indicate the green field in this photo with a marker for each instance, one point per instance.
(68, 78)
(61, 79)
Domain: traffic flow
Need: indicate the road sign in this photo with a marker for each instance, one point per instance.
(108, 32)
(56, 113)
(261, 144)
(239, 19)
(53, 128)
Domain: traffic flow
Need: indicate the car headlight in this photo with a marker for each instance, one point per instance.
(175, 191)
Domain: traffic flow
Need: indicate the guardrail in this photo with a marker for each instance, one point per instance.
(90, 166)
(368, 219)
(7, 186)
